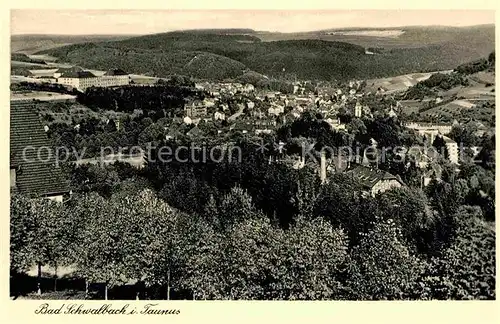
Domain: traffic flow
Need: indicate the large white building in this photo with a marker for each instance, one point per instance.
(430, 130)
(81, 80)
(113, 78)
(452, 148)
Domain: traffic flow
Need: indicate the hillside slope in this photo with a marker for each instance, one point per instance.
(168, 53)
(30, 44)
(406, 37)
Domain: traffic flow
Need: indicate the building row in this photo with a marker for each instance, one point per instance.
(82, 79)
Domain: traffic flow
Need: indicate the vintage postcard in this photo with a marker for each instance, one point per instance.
(162, 159)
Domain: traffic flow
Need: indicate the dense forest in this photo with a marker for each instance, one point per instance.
(161, 97)
(215, 56)
(477, 66)
(43, 86)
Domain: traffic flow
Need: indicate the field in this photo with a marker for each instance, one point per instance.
(403, 37)
(392, 33)
(19, 78)
(412, 106)
(477, 93)
(450, 109)
(43, 57)
(40, 95)
(484, 77)
(463, 110)
(27, 64)
(400, 82)
(481, 87)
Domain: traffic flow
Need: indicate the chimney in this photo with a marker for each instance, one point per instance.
(322, 171)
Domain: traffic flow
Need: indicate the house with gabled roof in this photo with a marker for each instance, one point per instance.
(33, 167)
(195, 132)
(243, 127)
(374, 181)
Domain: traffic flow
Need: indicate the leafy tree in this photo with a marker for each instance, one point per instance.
(94, 178)
(132, 186)
(96, 254)
(487, 153)
(440, 146)
(356, 126)
(411, 211)
(386, 132)
(341, 203)
(311, 263)
(466, 270)
(256, 260)
(383, 267)
(203, 254)
(126, 239)
(249, 259)
(40, 234)
(22, 233)
(307, 194)
(491, 58)
(476, 66)
(448, 197)
(464, 135)
(236, 206)
(152, 240)
(153, 134)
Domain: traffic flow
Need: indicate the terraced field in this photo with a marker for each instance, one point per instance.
(400, 82)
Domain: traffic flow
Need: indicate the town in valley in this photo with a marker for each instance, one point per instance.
(331, 165)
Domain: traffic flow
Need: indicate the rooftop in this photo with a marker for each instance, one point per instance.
(448, 140)
(369, 176)
(34, 175)
(78, 74)
(71, 69)
(116, 72)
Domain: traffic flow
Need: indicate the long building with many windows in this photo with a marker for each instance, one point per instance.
(81, 80)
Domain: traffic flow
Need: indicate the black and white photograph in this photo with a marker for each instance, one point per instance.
(277, 155)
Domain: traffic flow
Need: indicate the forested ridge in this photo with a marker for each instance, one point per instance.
(169, 53)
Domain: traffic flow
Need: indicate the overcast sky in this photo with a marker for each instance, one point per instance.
(85, 22)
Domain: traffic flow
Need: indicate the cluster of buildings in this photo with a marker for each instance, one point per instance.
(432, 130)
(261, 112)
(268, 106)
(81, 79)
(41, 177)
(225, 88)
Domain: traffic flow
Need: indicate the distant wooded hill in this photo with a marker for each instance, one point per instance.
(29, 44)
(220, 54)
